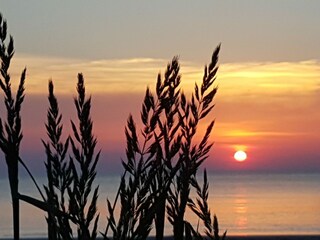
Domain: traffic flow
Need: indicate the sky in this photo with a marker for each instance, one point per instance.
(269, 77)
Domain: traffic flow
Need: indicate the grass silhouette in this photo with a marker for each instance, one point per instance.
(59, 174)
(84, 175)
(192, 155)
(160, 168)
(10, 129)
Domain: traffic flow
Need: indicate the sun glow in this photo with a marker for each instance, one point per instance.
(240, 156)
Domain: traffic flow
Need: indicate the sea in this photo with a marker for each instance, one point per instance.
(245, 204)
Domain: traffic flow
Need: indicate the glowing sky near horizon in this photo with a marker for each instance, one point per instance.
(269, 77)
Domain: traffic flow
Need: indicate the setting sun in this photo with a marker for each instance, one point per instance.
(240, 156)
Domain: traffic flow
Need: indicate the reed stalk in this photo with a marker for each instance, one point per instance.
(160, 168)
(192, 154)
(59, 174)
(162, 164)
(83, 143)
(10, 129)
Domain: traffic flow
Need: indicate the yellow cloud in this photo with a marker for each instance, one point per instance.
(270, 78)
(124, 75)
(133, 75)
(248, 133)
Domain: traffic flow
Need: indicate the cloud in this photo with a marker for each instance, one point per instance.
(102, 76)
(132, 75)
(270, 79)
(261, 105)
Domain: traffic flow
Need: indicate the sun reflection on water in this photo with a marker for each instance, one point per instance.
(241, 209)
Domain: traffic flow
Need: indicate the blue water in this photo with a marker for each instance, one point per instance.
(245, 203)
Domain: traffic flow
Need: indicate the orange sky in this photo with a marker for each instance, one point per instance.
(267, 109)
(269, 79)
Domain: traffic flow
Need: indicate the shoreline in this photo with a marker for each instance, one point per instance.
(275, 237)
(251, 237)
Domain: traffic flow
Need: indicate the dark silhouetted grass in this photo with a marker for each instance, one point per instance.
(160, 169)
(81, 207)
(161, 166)
(192, 155)
(59, 174)
(10, 129)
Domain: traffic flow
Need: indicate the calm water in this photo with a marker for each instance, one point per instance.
(246, 204)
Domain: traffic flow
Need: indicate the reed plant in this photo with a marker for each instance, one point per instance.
(138, 206)
(65, 179)
(192, 154)
(167, 138)
(70, 182)
(69, 186)
(202, 210)
(59, 174)
(83, 206)
(163, 163)
(10, 128)
(160, 169)
(149, 162)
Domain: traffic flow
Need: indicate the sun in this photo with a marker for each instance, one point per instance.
(240, 156)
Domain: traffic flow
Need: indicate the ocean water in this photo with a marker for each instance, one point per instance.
(245, 203)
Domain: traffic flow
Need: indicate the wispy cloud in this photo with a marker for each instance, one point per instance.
(261, 105)
(265, 96)
(130, 75)
(123, 75)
